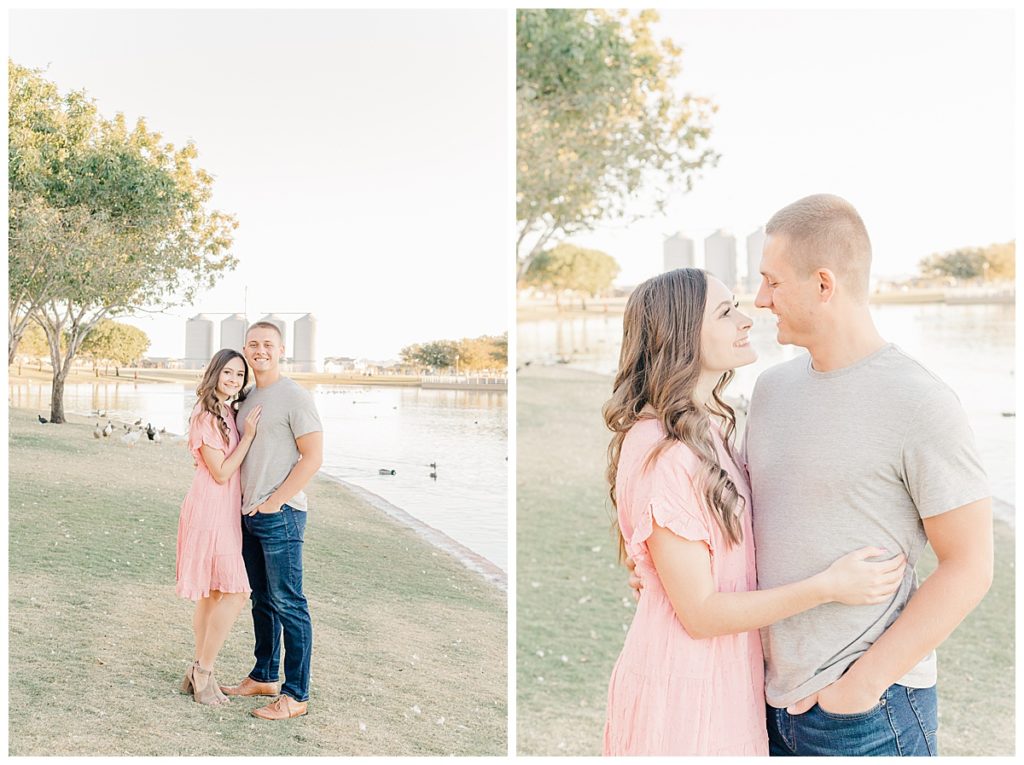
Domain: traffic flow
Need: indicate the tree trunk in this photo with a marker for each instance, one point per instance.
(57, 397)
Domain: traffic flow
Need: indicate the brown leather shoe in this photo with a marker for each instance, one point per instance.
(249, 687)
(283, 709)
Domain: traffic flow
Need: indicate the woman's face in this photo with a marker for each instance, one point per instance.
(725, 334)
(229, 383)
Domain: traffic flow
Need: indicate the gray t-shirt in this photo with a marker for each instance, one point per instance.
(288, 413)
(840, 460)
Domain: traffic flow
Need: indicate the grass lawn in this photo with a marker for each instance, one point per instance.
(574, 606)
(409, 653)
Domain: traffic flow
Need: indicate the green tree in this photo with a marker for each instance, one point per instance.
(965, 263)
(568, 267)
(499, 352)
(597, 119)
(114, 342)
(104, 219)
(438, 354)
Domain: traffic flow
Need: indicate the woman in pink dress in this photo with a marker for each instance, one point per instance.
(210, 569)
(690, 678)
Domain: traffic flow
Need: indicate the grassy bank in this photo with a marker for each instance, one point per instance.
(409, 647)
(574, 605)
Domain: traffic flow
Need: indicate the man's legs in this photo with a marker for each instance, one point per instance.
(902, 724)
(266, 626)
(281, 535)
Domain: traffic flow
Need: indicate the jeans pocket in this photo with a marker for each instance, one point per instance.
(849, 717)
(295, 523)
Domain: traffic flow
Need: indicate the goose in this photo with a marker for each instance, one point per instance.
(97, 432)
(150, 431)
(157, 438)
(108, 429)
(42, 420)
(132, 437)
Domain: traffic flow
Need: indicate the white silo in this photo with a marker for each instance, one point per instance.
(304, 357)
(720, 257)
(198, 341)
(232, 332)
(280, 323)
(755, 243)
(678, 252)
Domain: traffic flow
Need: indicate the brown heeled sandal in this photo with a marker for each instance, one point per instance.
(208, 694)
(186, 684)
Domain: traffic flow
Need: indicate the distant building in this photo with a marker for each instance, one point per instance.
(304, 348)
(198, 341)
(755, 244)
(232, 332)
(678, 252)
(720, 257)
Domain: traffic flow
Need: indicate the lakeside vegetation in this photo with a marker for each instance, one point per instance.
(574, 606)
(409, 650)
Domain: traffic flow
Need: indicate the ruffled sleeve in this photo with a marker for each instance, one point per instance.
(203, 429)
(666, 495)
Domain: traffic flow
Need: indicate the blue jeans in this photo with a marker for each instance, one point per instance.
(272, 550)
(902, 724)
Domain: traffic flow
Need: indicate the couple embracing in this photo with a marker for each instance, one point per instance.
(854, 458)
(242, 522)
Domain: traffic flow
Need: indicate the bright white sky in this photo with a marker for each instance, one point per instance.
(364, 154)
(906, 114)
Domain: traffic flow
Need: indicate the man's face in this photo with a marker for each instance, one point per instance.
(792, 298)
(263, 349)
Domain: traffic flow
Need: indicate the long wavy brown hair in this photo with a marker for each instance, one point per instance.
(659, 365)
(206, 391)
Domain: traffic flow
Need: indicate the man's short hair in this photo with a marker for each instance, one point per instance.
(825, 231)
(266, 325)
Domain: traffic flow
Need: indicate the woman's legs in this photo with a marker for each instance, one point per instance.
(222, 615)
(201, 618)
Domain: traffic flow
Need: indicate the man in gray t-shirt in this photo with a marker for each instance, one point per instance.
(285, 455)
(868, 451)
(855, 444)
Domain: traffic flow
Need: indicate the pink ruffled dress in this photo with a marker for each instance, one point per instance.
(671, 694)
(210, 526)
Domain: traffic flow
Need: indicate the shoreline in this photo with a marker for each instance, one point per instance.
(471, 560)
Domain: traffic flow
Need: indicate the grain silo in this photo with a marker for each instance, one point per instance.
(678, 252)
(720, 257)
(304, 357)
(198, 341)
(232, 332)
(755, 243)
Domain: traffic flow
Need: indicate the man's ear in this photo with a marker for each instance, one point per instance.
(826, 285)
